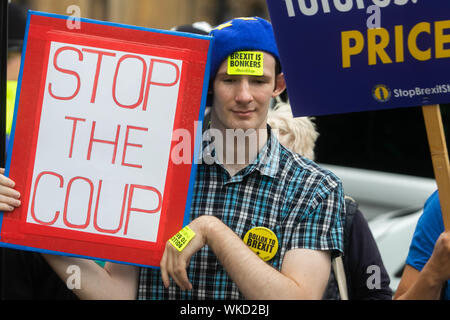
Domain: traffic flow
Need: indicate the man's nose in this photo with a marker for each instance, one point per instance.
(243, 94)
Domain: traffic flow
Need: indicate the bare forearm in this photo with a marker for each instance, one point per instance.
(95, 282)
(304, 272)
(254, 278)
(425, 287)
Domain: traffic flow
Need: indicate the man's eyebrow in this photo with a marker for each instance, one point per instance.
(225, 74)
(262, 76)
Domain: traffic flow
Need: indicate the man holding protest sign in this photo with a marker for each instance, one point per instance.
(240, 101)
(274, 203)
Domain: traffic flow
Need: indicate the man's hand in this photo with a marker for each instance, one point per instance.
(174, 263)
(9, 197)
(427, 284)
(439, 263)
(303, 275)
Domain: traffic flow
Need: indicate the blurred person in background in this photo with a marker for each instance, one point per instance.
(298, 134)
(199, 27)
(24, 275)
(16, 31)
(427, 272)
(360, 249)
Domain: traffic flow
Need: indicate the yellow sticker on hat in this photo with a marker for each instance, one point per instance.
(182, 238)
(246, 63)
(262, 241)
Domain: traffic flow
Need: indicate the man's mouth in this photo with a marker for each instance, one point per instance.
(243, 113)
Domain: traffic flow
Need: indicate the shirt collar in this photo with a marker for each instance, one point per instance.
(267, 162)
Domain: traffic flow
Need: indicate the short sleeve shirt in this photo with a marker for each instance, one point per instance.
(299, 201)
(428, 229)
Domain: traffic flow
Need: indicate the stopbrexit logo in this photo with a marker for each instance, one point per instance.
(381, 93)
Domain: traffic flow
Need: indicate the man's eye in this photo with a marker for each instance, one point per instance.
(259, 81)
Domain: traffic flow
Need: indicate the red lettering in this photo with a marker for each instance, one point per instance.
(141, 92)
(66, 203)
(75, 120)
(131, 145)
(96, 226)
(33, 200)
(114, 143)
(163, 84)
(130, 200)
(71, 72)
(88, 194)
(97, 70)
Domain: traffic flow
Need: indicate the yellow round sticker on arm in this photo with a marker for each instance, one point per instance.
(262, 241)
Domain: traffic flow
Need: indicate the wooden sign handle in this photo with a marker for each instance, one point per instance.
(439, 156)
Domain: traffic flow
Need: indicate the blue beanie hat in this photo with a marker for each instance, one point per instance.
(241, 34)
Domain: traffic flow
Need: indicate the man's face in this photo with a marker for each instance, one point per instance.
(242, 101)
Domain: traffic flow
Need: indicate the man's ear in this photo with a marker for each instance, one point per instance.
(280, 85)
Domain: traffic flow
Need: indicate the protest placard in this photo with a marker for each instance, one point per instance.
(356, 55)
(93, 139)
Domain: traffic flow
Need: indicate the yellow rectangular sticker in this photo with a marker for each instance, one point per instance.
(182, 238)
(246, 63)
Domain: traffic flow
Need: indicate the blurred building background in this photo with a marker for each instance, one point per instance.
(160, 14)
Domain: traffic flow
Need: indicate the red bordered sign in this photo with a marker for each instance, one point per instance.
(93, 152)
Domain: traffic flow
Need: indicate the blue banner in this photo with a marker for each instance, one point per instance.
(342, 56)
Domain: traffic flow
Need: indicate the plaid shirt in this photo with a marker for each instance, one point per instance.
(292, 196)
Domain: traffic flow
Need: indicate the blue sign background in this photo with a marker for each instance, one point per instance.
(311, 57)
